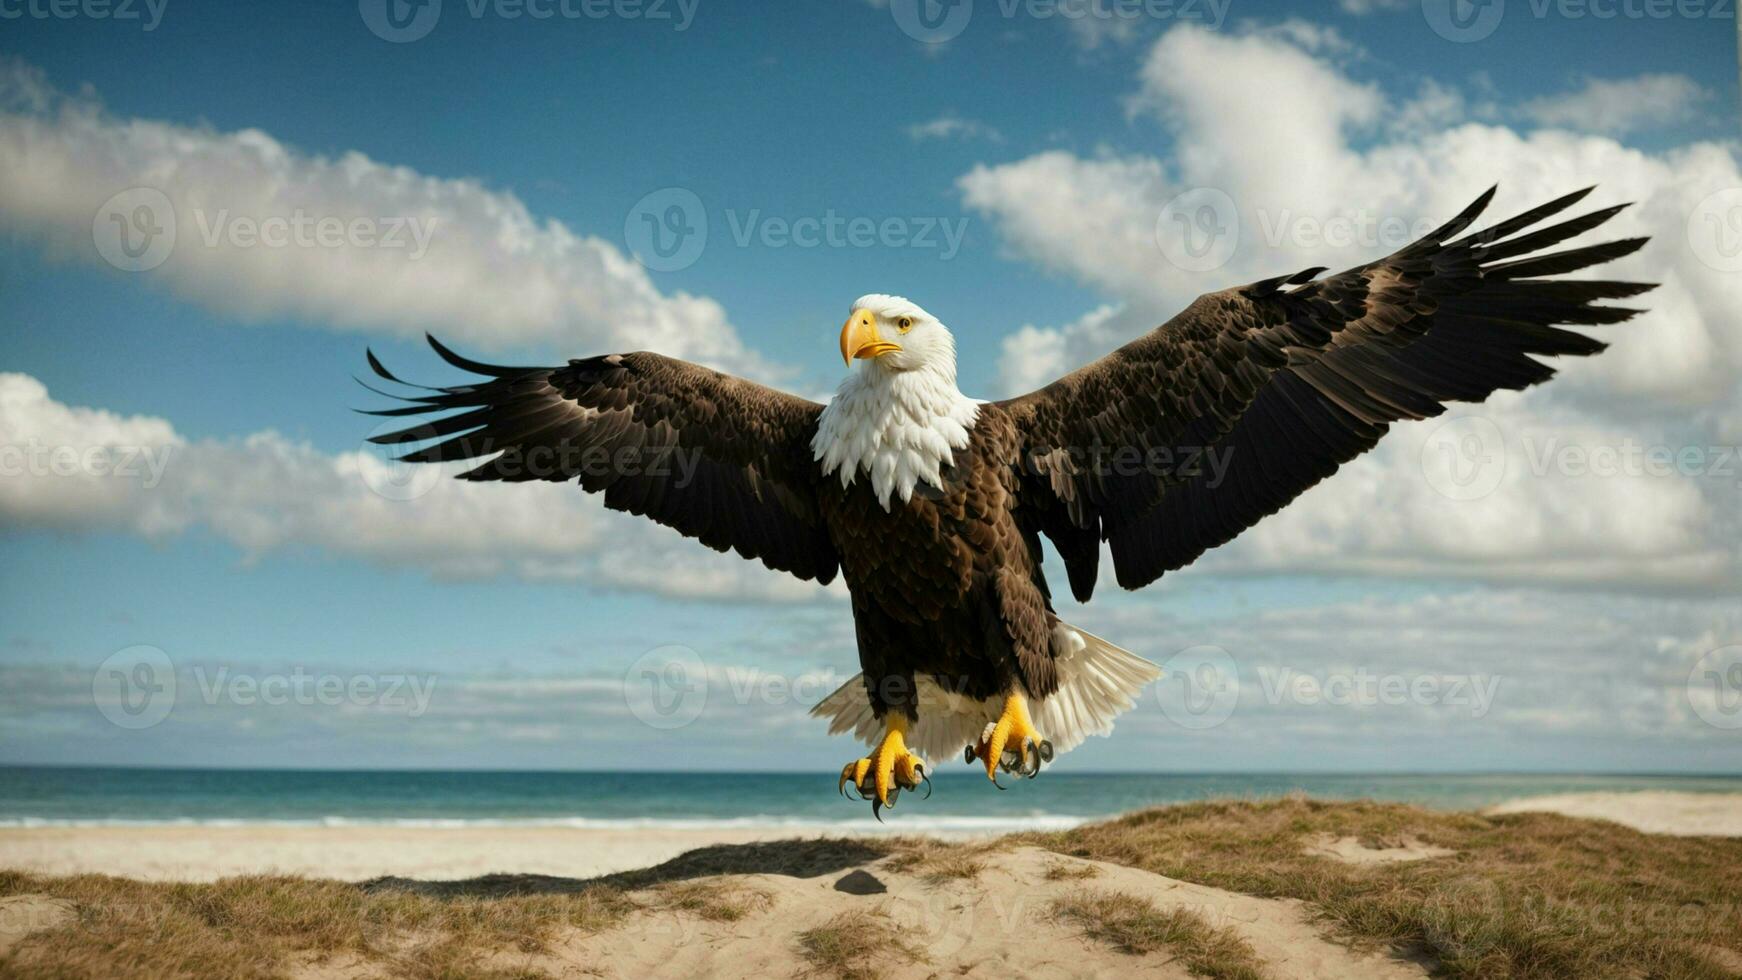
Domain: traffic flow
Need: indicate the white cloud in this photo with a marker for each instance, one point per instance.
(1306, 154)
(1618, 106)
(79, 469)
(493, 275)
(1474, 679)
(1361, 7)
(951, 126)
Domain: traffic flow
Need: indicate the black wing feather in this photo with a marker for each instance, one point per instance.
(1287, 384)
(633, 427)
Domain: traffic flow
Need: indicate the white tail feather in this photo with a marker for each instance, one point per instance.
(1098, 682)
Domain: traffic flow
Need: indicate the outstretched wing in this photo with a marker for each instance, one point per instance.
(720, 459)
(1282, 381)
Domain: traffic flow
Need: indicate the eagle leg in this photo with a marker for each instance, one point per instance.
(1011, 743)
(890, 768)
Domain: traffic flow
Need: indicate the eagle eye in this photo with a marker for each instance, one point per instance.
(905, 323)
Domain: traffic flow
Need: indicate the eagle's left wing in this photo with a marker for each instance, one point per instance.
(1183, 438)
(718, 458)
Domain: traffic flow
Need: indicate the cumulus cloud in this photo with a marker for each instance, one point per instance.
(78, 469)
(402, 252)
(1618, 106)
(1315, 172)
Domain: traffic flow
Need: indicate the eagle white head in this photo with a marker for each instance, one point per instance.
(899, 418)
(890, 333)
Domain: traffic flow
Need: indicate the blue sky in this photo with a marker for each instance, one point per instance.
(1019, 131)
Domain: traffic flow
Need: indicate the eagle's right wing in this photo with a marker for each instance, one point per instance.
(1286, 379)
(718, 458)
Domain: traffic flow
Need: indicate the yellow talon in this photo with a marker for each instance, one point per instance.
(890, 768)
(1011, 743)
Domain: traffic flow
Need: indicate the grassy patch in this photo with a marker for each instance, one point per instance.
(259, 926)
(1070, 871)
(715, 901)
(1134, 925)
(937, 862)
(1526, 896)
(853, 945)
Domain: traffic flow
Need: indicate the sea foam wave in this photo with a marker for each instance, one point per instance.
(756, 822)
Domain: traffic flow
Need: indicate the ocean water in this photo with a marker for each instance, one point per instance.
(33, 796)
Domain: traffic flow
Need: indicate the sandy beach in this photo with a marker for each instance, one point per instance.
(355, 853)
(358, 852)
(1288, 887)
(1682, 814)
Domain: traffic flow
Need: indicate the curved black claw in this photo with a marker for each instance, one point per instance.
(968, 754)
(927, 780)
(878, 806)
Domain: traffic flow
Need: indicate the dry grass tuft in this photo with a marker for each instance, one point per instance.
(1134, 925)
(259, 926)
(713, 900)
(853, 945)
(963, 866)
(1527, 895)
(1070, 871)
(937, 862)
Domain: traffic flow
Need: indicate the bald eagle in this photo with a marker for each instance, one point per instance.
(932, 505)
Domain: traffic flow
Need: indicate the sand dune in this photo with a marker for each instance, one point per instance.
(1000, 923)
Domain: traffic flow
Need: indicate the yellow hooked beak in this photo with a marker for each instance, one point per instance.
(859, 338)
